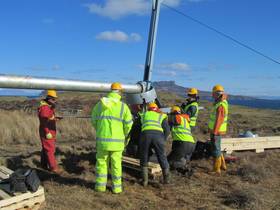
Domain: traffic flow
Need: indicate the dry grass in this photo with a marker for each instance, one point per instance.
(17, 127)
(251, 183)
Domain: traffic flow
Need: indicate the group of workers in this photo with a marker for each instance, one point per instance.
(113, 122)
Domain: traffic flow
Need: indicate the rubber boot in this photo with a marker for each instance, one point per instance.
(217, 165)
(145, 176)
(166, 176)
(223, 165)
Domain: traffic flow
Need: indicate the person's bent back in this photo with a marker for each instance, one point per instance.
(154, 132)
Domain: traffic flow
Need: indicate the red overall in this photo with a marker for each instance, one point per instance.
(46, 116)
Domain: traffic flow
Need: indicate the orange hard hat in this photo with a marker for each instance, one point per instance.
(192, 91)
(52, 93)
(218, 88)
(152, 105)
(175, 109)
(116, 86)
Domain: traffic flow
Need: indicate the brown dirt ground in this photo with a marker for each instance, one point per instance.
(253, 182)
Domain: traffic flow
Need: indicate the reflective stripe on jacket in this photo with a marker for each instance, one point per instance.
(213, 117)
(194, 117)
(182, 132)
(152, 120)
(112, 121)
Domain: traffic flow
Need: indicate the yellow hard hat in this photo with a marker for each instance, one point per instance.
(218, 88)
(192, 91)
(116, 86)
(175, 109)
(52, 93)
(152, 105)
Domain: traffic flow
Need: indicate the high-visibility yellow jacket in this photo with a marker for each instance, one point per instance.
(219, 124)
(112, 121)
(182, 132)
(194, 117)
(151, 120)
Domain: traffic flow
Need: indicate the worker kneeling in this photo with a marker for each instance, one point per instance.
(183, 143)
(112, 121)
(154, 132)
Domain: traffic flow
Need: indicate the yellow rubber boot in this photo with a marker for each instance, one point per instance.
(223, 165)
(217, 165)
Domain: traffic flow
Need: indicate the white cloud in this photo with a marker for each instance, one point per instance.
(140, 66)
(168, 73)
(56, 67)
(135, 37)
(116, 9)
(172, 3)
(118, 36)
(175, 66)
(195, 1)
(36, 68)
(119, 8)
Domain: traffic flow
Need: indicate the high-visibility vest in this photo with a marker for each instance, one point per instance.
(211, 124)
(193, 118)
(182, 132)
(112, 120)
(151, 120)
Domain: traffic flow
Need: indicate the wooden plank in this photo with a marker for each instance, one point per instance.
(21, 200)
(21, 197)
(4, 195)
(258, 144)
(5, 170)
(137, 162)
(132, 163)
(30, 203)
(3, 175)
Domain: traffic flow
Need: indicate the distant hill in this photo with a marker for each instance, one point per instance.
(171, 86)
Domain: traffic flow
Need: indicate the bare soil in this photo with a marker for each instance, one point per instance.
(252, 182)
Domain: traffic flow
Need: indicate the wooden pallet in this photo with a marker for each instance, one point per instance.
(132, 163)
(25, 201)
(259, 144)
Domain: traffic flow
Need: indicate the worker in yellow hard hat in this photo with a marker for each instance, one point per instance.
(154, 132)
(112, 121)
(47, 131)
(218, 126)
(190, 107)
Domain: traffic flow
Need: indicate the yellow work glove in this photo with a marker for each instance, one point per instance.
(127, 139)
(49, 136)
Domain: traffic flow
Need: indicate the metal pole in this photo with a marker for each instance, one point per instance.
(151, 43)
(27, 82)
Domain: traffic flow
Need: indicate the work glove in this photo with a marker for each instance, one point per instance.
(49, 136)
(127, 139)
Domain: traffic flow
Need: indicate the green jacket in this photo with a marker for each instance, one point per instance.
(212, 121)
(182, 132)
(193, 117)
(152, 120)
(112, 121)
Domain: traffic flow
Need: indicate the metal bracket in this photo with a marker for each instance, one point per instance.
(144, 97)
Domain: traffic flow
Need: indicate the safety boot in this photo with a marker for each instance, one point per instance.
(223, 163)
(145, 176)
(166, 176)
(217, 165)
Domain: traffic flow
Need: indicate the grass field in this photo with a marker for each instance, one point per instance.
(250, 183)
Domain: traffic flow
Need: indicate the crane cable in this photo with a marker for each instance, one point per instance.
(222, 34)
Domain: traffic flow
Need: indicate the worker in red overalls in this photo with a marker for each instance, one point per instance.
(47, 131)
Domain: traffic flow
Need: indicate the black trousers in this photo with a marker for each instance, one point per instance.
(180, 154)
(153, 140)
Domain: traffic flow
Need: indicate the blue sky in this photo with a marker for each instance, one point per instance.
(106, 40)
